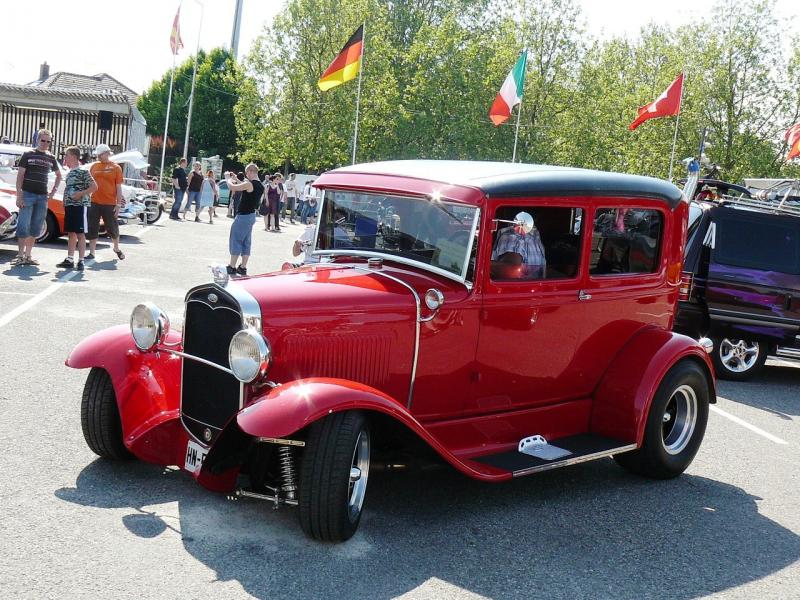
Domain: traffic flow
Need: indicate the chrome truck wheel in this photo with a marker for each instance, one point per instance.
(675, 425)
(333, 476)
(738, 359)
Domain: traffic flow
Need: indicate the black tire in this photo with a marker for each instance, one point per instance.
(100, 420)
(684, 381)
(738, 368)
(325, 486)
(50, 231)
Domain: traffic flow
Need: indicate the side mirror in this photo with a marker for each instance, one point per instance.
(524, 221)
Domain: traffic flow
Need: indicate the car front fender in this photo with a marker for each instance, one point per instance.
(623, 397)
(147, 389)
(286, 409)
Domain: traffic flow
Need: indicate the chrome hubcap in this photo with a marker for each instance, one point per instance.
(679, 420)
(359, 473)
(738, 355)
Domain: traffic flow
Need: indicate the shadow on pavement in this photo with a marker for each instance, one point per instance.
(587, 531)
(773, 390)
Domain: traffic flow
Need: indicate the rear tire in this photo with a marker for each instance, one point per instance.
(738, 359)
(675, 425)
(333, 476)
(100, 420)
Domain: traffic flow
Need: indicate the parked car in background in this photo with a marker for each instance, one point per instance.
(147, 205)
(8, 215)
(741, 282)
(511, 318)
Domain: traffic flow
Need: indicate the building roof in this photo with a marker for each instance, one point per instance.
(102, 83)
(516, 179)
(32, 90)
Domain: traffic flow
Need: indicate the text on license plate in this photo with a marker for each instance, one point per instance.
(195, 455)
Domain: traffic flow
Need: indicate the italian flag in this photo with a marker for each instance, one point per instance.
(511, 93)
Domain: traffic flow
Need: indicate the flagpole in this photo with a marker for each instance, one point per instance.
(166, 123)
(194, 77)
(675, 136)
(358, 93)
(516, 132)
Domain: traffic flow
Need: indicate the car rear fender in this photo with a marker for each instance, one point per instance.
(286, 409)
(622, 399)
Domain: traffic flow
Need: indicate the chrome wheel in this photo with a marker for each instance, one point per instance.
(359, 473)
(679, 419)
(738, 356)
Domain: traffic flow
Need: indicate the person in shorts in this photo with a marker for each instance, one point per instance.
(106, 201)
(241, 235)
(78, 190)
(32, 195)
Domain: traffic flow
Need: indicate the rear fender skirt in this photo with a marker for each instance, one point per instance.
(286, 409)
(146, 384)
(623, 397)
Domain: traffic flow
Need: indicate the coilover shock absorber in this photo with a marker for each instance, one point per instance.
(288, 478)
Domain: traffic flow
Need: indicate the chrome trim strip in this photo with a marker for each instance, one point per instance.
(418, 320)
(196, 358)
(788, 352)
(280, 441)
(729, 317)
(573, 461)
(207, 425)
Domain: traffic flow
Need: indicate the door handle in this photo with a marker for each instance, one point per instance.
(584, 296)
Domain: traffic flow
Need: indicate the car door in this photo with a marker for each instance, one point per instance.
(529, 326)
(625, 287)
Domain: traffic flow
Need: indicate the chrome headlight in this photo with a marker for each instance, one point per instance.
(249, 355)
(149, 325)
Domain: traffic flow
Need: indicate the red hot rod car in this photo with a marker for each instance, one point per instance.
(514, 318)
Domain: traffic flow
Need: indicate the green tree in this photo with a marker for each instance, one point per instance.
(217, 88)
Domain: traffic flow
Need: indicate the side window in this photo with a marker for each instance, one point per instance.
(626, 240)
(763, 242)
(550, 250)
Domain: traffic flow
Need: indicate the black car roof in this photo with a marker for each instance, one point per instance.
(516, 179)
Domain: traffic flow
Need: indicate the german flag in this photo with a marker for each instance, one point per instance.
(346, 65)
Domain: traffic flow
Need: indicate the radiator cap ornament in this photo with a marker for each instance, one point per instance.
(220, 275)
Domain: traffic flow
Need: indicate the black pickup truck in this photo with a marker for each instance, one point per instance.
(741, 279)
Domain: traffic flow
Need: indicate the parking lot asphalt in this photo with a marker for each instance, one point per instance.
(75, 526)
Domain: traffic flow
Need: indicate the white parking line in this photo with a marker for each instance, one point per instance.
(49, 291)
(747, 425)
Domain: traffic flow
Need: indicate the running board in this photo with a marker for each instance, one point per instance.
(784, 352)
(581, 448)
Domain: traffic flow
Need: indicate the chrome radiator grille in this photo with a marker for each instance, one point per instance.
(209, 397)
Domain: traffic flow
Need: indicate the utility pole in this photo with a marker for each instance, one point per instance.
(237, 24)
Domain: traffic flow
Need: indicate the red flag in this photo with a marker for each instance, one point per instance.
(667, 104)
(175, 41)
(793, 138)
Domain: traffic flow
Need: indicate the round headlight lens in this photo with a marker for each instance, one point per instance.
(249, 355)
(148, 324)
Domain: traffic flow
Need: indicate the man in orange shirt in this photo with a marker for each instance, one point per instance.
(106, 201)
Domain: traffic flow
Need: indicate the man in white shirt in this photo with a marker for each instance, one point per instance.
(291, 198)
(305, 243)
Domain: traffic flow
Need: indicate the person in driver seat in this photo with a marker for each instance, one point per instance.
(524, 250)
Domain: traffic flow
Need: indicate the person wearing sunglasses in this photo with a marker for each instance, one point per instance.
(33, 194)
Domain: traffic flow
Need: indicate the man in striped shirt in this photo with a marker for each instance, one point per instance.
(515, 247)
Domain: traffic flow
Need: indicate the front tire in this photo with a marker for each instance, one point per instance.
(675, 425)
(333, 476)
(100, 419)
(738, 359)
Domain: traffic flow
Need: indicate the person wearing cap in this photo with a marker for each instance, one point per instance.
(32, 195)
(106, 201)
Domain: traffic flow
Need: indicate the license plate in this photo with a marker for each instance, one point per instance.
(195, 455)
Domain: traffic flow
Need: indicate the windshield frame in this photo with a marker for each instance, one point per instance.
(460, 277)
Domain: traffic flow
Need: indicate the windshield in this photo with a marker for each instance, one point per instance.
(435, 233)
